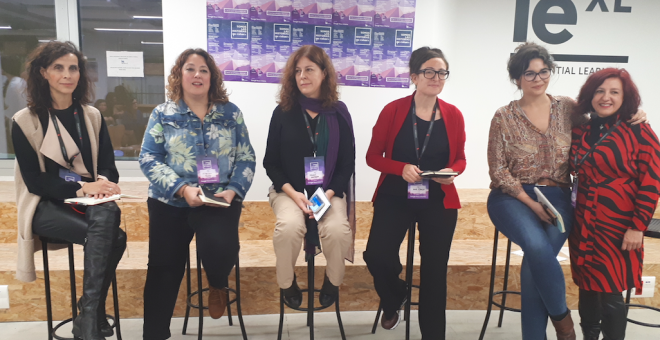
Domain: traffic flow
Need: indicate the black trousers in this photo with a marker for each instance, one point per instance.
(170, 231)
(392, 218)
(603, 312)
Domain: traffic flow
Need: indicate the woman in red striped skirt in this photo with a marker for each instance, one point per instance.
(617, 167)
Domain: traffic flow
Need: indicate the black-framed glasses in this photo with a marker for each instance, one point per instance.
(543, 74)
(430, 73)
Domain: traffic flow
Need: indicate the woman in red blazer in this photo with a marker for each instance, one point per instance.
(415, 134)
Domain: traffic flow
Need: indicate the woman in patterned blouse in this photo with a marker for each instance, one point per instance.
(528, 148)
(197, 140)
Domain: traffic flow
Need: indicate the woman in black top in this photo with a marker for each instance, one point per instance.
(63, 150)
(310, 146)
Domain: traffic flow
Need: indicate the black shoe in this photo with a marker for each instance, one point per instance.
(328, 293)
(292, 295)
(590, 332)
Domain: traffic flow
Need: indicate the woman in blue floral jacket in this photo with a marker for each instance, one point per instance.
(197, 140)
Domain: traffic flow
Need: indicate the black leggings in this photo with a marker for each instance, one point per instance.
(69, 224)
(392, 218)
(605, 312)
(170, 231)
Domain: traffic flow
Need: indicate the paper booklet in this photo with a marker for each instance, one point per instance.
(207, 196)
(94, 201)
(557, 220)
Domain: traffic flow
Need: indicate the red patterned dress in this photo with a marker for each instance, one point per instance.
(618, 189)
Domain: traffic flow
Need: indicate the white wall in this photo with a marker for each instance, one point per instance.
(477, 38)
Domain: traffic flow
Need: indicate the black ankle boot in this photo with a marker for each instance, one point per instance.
(117, 252)
(328, 292)
(292, 295)
(102, 221)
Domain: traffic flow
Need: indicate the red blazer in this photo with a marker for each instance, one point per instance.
(379, 154)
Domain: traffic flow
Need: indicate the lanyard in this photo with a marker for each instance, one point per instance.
(593, 147)
(59, 136)
(428, 133)
(312, 137)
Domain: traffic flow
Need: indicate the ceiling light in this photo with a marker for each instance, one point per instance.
(147, 17)
(127, 30)
(151, 43)
(46, 40)
(5, 27)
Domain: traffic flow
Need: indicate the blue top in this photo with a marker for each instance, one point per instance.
(174, 138)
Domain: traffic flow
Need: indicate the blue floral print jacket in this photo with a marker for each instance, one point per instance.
(174, 138)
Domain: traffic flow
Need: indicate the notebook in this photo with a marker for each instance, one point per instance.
(207, 196)
(95, 201)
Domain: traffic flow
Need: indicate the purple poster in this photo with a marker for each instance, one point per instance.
(395, 13)
(391, 54)
(353, 13)
(271, 10)
(315, 12)
(304, 34)
(270, 47)
(229, 44)
(228, 9)
(351, 55)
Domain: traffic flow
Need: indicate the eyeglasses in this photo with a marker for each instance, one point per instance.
(531, 75)
(430, 73)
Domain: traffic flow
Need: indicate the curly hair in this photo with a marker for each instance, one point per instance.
(217, 91)
(523, 55)
(289, 91)
(631, 98)
(38, 89)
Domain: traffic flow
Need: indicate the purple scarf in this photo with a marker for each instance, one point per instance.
(330, 114)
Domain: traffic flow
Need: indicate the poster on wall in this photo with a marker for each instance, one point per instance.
(353, 13)
(391, 54)
(369, 41)
(229, 44)
(270, 48)
(395, 13)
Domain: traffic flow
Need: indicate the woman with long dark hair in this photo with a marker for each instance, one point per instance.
(63, 150)
(311, 126)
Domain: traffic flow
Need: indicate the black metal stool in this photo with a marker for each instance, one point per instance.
(74, 307)
(654, 232)
(409, 286)
(503, 292)
(200, 306)
(310, 309)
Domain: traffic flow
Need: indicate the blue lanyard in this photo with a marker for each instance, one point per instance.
(593, 147)
(428, 133)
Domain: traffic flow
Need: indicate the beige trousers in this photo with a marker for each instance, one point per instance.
(334, 232)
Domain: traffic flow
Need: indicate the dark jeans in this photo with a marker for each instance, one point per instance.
(543, 289)
(170, 231)
(393, 216)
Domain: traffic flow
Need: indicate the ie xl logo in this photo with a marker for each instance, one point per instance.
(561, 12)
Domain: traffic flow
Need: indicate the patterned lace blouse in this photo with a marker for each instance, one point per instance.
(519, 153)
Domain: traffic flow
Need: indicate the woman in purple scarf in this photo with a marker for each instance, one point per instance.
(310, 146)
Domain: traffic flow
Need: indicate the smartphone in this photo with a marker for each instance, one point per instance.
(317, 203)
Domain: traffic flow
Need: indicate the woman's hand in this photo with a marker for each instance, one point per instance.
(411, 173)
(191, 195)
(632, 239)
(102, 188)
(302, 202)
(639, 117)
(445, 180)
(330, 194)
(228, 195)
(538, 209)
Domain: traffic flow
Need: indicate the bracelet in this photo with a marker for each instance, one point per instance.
(183, 191)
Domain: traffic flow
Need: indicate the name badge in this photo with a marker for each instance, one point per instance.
(69, 175)
(314, 170)
(207, 170)
(419, 190)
